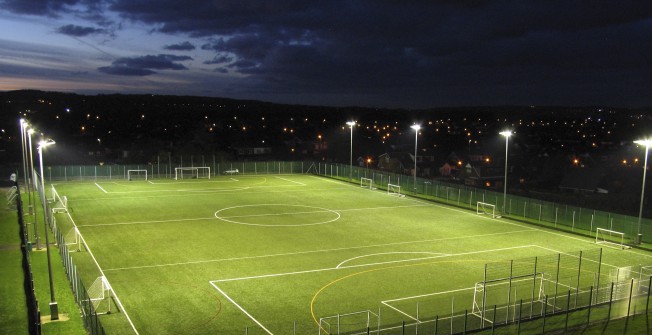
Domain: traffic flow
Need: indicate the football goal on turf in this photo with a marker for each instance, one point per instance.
(192, 172)
(99, 295)
(60, 204)
(610, 238)
(484, 208)
(505, 293)
(73, 239)
(136, 175)
(394, 190)
(367, 183)
(349, 323)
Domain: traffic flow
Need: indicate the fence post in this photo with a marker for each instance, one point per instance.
(567, 310)
(588, 317)
(520, 310)
(436, 324)
(647, 301)
(493, 322)
(466, 315)
(545, 314)
(611, 297)
(629, 302)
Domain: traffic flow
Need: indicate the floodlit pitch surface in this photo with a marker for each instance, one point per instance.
(266, 254)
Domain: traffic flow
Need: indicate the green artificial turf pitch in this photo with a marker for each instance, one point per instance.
(268, 254)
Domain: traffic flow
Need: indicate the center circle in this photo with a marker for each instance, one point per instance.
(277, 215)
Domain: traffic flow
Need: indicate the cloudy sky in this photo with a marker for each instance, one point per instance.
(381, 53)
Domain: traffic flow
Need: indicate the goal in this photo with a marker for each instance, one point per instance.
(506, 293)
(136, 175)
(349, 323)
(394, 190)
(367, 183)
(60, 203)
(192, 172)
(610, 238)
(485, 208)
(99, 295)
(73, 238)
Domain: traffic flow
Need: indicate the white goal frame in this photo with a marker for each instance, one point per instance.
(178, 172)
(481, 209)
(394, 190)
(601, 235)
(129, 173)
(73, 238)
(333, 324)
(367, 183)
(99, 295)
(61, 203)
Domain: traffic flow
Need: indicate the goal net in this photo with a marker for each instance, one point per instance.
(192, 172)
(394, 190)
(136, 175)
(484, 208)
(501, 296)
(60, 203)
(349, 323)
(610, 238)
(73, 239)
(99, 295)
(367, 183)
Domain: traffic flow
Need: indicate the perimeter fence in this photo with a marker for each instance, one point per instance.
(550, 214)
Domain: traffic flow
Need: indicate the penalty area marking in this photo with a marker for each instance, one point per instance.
(100, 187)
(438, 254)
(292, 181)
(241, 308)
(315, 210)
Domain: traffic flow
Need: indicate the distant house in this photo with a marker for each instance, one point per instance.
(478, 174)
(397, 162)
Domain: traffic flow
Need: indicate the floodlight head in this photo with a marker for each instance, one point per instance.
(506, 133)
(30, 131)
(416, 126)
(351, 123)
(646, 142)
(45, 143)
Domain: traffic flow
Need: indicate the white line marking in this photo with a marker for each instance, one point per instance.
(309, 252)
(394, 253)
(149, 181)
(139, 222)
(242, 309)
(233, 179)
(292, 181)
(100, 187)
(363, 265)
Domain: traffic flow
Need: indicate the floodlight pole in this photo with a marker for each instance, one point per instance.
(54, 309)
(647, 144)
(351, 124)
(416, 128)
(32, 188)
(507, 134)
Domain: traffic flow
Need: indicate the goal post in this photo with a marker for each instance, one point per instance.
(483, 208)
(610, 238)
(367, 183)
(99, 295)
(196, 172)
(349, 323)
(73, 238)
(136, 175)
(394, 190)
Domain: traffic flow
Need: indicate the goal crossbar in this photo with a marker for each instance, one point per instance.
(195, 172)
(486, 208)
(131, 173)
(366, 183)
(610, 238)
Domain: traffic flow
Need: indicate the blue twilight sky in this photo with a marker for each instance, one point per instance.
(381, 53)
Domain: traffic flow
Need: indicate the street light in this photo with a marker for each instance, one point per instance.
(351, 124)
(31, 187)
(54, 309)
(647, 143)
(416, 128)
(507, 134)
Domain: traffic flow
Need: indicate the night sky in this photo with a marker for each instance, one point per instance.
(412, 54)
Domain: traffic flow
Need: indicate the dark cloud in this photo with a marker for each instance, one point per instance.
(78, 31)
(185, 46)
(144, 66)
(38, 7)
(219, 59)
(416, 52)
